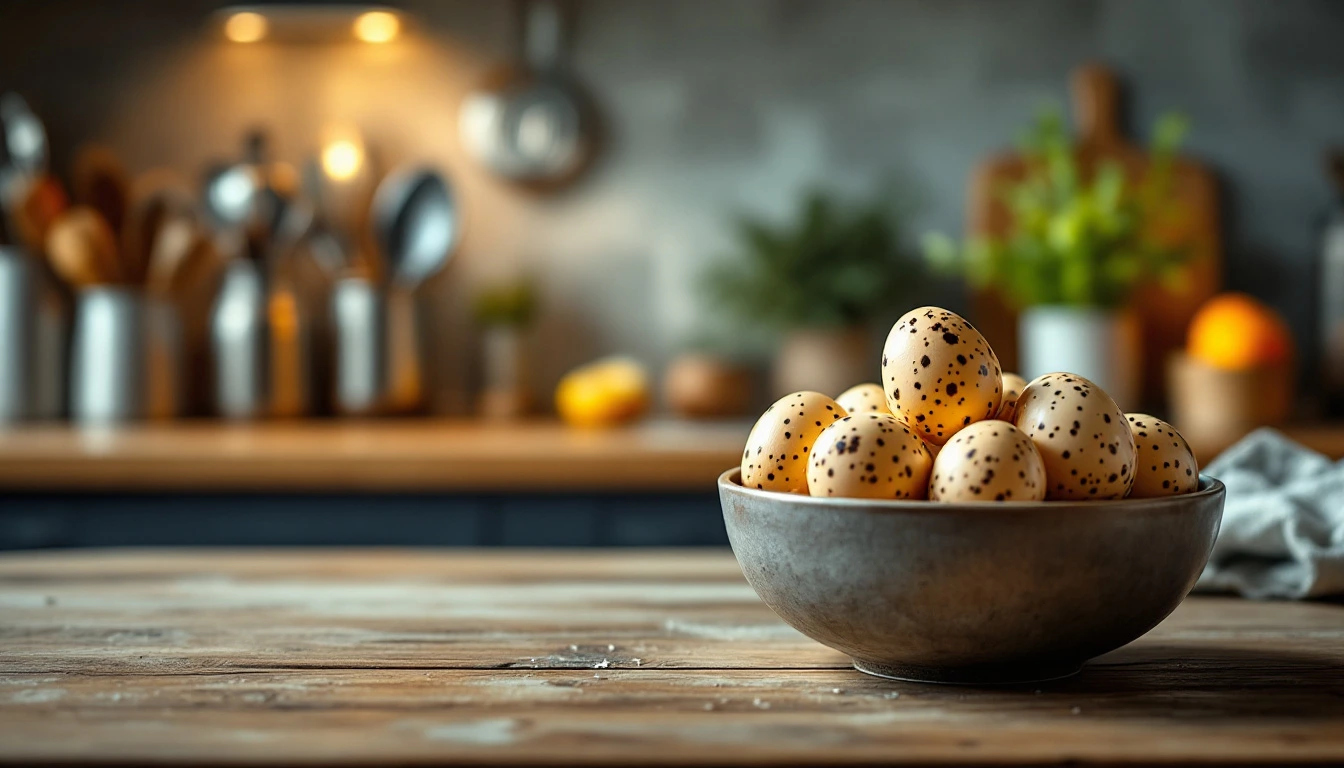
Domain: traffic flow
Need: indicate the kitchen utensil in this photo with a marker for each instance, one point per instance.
(261, 342)
(415, 224)
(250, 196)
(125, 357)
(973, 593)
(160, 203)
(1163, 314)
(230, 195)
(24, 144)
(23, 158)
(529, 121)
(179, 250)
(33, 325)
(83, 250)
(99, 181)
(415, 228)
(37, 208)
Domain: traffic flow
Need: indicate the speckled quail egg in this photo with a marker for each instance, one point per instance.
(1165, 465)
(939, 374)
(988, 461)
(869, 456)
(863, 398)
(776, 455)
(1082, 436)
(1012, 389)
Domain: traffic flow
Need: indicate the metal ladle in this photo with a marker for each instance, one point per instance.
(23, 156)
(415, 229)
(25, 139)
(415, 225)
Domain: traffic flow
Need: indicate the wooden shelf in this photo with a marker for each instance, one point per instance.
(429, 455)
(376, 456)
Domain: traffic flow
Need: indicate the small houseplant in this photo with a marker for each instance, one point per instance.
(504, 313)
(1080, 240)
(816, 281)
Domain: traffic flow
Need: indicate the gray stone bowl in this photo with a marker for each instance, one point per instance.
(989, 593)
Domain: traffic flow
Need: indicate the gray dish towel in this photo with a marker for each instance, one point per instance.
(1283, 526)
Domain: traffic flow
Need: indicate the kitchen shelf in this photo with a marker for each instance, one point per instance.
(409, 456)
(397, 456)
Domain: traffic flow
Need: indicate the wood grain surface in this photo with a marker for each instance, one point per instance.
(414, 657)
(420, 455)
(446, 456)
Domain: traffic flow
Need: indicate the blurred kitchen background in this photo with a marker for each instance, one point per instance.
(364, 253)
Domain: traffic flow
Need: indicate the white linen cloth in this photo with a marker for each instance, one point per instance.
(1283, 525)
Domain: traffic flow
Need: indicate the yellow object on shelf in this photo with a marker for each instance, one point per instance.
(604, 393)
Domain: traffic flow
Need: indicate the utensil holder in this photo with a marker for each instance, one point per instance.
(377, 360)
(261, 344)
(33, 327)
(126, 357)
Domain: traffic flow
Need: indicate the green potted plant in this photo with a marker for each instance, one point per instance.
(1079, 242)
(815, 281)
(504, 312)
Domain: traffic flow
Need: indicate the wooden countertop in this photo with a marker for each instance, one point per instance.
(619, 658)
(421, 455)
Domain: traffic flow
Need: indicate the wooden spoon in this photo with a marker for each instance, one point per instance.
(177, 237)
(196, 265)
(100, 182)
(157, 198)
(82, 249)
(39, 205)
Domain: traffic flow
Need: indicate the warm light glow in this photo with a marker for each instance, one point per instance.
(245, 27)
(377, 26)
(341, 159)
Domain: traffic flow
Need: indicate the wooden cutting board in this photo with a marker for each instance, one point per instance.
(1163, 314)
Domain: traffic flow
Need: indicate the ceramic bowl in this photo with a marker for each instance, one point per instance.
(971, 593)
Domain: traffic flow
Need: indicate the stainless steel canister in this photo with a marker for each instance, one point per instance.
(359, 348)
(261, 344)
(125, 357)
(33, 329)
(377, 355)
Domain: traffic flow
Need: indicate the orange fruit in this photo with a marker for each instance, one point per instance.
(1234, 331)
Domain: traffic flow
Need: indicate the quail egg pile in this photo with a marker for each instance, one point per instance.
(946, 423)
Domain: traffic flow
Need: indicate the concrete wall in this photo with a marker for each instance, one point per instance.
(712, 107)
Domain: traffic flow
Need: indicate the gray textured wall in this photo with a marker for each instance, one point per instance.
(714, 106)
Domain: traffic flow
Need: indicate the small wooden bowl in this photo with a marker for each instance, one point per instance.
(1214, 407)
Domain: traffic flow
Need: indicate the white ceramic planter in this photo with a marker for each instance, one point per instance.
(826, 361)
(1098, 344)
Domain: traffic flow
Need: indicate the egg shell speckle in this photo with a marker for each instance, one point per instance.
(1165, 465)
(1082, 436)
(863, 398)
(1012, 389)
(870, 456)
(775, 458)
(988, 461)
(939, 374)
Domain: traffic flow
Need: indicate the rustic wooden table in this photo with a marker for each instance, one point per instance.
(256, 657)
